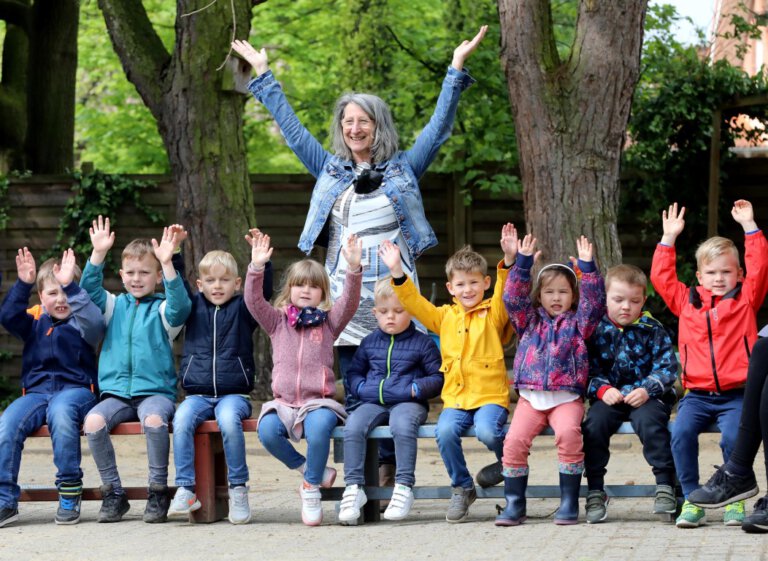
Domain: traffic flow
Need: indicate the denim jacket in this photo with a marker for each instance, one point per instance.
(334, 174)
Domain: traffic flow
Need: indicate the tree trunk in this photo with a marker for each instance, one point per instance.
(51, 86)
(570, 118)
(201, 125)
(13, 99)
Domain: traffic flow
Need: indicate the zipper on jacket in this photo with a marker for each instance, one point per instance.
(712, 352)
(298, 374)
(746, 347)
(215, 313)
(389, 368)
(130, 348)
(550, 336)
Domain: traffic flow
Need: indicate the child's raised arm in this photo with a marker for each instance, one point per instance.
(353, 252)
(509, 243)
(743, 213)
(165, 248)
(390, 254)
(25, 266)
(65, 273)
(102, 239)
(672, 223)
(261, 250)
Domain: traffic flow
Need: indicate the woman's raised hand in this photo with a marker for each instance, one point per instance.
(257, 59)
(462, 52)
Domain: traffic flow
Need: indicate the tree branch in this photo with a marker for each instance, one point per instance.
(141, 52)
(15, 12)
(426, 64)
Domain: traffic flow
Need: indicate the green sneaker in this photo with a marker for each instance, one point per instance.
(596, 506)
(734, 514)
(691, 516)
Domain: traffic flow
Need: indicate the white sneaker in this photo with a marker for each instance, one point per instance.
(352, 501)
(239, 509)
(311, 509)
(329, 475)
(400, 504)
(184, 503)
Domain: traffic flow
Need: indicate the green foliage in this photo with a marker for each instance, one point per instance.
(670, 130)
(95, 194)
(113, 127)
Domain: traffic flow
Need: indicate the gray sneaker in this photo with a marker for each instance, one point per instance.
(597, 502)
(664, 502)
(461, 498)
(239, 509)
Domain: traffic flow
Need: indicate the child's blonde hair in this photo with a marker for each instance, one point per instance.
(138, 249)
(306, 271)
(45, 273)
(547, 275)
(633, 276)
(466, 260)
(217, 257)
(383, 290)
(714, 247)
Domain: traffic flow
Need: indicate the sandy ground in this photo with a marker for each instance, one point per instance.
(276, 532)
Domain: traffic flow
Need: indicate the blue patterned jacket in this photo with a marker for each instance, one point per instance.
(639, 355)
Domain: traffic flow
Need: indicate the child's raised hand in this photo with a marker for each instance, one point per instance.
(509, 243)
(744, 214)
(25, 266)
(672, 223)
(390, 254)
(65, 273)
(257, 59)
(584, 248)
(167, 245)
(526, 246)
(180, 233)
(102, 238)
(353, 252)
(261, 250)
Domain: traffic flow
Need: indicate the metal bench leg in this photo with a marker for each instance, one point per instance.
(210, 473)
(371, 509)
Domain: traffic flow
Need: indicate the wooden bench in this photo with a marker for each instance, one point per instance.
(210, 472)
(375, 493)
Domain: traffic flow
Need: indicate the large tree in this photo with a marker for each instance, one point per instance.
(37, 92)
(198, 117)
(571, 114)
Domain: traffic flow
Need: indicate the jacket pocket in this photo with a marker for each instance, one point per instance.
(186, 370)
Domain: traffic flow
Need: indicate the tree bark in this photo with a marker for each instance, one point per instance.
(201, 125)
(51, 86)
(570, 118)
(13, 99)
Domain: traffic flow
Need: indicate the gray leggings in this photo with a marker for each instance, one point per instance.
(404, 422)
(117, 410)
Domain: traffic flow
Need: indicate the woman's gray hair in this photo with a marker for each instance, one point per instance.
(384, 134)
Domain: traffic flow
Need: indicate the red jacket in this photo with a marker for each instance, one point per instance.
(716, 334)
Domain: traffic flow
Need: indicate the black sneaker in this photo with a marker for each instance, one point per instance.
(724, 488)
(70, 496)
(113, 505)
(490, 475)
(8, 515)
(158, 502)
(757, 522)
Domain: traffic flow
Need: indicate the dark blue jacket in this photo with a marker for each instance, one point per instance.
(218, 345)
(639, 355)
(386, 368)
(58, 354)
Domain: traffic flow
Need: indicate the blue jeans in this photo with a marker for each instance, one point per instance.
(489, 423)
(117, 410)
(318, 425)
(64, 412)
(229, 412)
(696, 411)
(404, 422)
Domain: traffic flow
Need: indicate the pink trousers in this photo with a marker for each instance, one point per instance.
(527, 423)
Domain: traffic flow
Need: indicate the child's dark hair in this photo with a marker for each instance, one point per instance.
(547, 275)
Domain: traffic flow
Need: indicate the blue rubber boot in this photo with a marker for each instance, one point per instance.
(514, 512)
(568, 513)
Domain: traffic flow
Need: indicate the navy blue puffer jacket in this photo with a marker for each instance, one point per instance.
(386, 368)
(218, 346)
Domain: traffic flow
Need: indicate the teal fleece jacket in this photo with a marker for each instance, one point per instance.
(136, 358)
